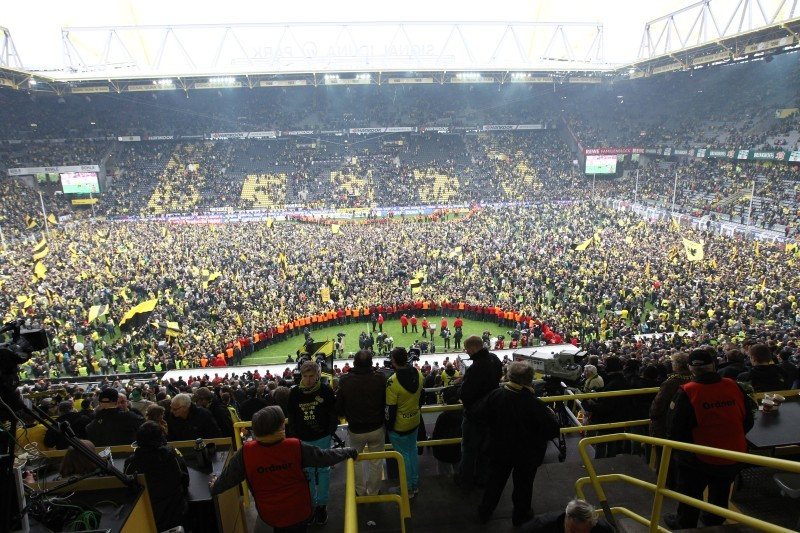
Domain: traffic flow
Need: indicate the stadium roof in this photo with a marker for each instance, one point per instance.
(147, 45)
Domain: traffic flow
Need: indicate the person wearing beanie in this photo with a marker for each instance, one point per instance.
(273, 467)
(165, 472)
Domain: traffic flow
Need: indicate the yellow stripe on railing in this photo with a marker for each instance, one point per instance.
(350, 499)
(659, 488)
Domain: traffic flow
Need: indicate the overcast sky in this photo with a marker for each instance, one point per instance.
(36, 26)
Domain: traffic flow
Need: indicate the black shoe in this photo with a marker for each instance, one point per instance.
(321, 515)
(671, 520)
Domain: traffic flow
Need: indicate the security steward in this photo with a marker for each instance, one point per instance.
(709, 411)
(273, 466)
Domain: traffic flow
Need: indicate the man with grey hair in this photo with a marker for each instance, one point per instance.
(188, 421)
(273, 467)
(660, 406)
(520, 426)
(77, 421)
(578, 517)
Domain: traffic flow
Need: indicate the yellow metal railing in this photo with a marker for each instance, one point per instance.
(351, 500)
(659, 488)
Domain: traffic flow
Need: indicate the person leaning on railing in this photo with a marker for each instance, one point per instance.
(274, 469)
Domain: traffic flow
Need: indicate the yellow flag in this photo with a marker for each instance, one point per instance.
(758, 249)
(791, 247)
(39, 270)
(51, 218)
(270, 222)
(41, 253)
(675, 225)
(694, 250)
(335, 228)
(647, 269)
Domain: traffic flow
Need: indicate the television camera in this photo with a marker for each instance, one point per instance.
(559, 361)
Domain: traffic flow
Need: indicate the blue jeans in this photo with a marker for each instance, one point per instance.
(474, 465)
(319, 479)
(406, 445)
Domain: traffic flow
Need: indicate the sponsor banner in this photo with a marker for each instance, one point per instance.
(242, 135)
(84, 201)
(668, 68)
(362, 131)
(681, 152)
(129, 138)
(228, 135)
(499, 127)
(92, 89)
(282, 83)
(701, 152)
(711, 58)
(531, 79)
(742, 154)
(718, 153)
(584, 79)
(217, 85)
(786, 112)
(532, 127)
(437, 129)
(150, 87)
(158, 137)
(25, 171)
(332, 132)
(296, 132)
(401, 129)
(651, 150)
(409, 80)
(346, 81)
(769, 45)
(667, 151)
(260, 135)
(794, 156)
(613, 151)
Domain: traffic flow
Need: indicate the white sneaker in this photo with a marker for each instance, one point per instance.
(411, 492)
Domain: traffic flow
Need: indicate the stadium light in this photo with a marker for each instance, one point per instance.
(32, 82)
(164, 83)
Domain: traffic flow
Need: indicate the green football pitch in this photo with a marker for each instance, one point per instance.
(277, 353)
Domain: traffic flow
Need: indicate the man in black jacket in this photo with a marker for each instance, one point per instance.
(187, 421)
(111, 425)
(482, 377)
(520, 428)
(77, 421)
(166, 475)
(733, 365)
(204, 397)
(608, 410)
(361, 399)
(764, 376)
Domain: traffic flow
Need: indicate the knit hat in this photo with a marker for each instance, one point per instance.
(108, 396)
(268, 420)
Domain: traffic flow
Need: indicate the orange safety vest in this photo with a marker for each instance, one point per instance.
(280, 329)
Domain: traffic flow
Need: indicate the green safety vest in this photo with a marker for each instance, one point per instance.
(83, 371)
(126, 367)
(157, 366)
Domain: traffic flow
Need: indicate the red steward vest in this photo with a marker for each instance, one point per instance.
(278, 483)
(720, 411)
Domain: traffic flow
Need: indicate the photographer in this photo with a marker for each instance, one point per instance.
(445, 334)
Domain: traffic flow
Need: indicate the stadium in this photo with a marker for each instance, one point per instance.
(198, 209)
